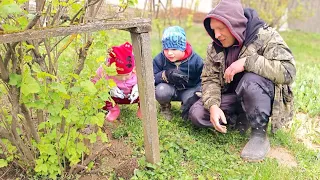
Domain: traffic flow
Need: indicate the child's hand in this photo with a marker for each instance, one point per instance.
(134, 94)
(116, 92)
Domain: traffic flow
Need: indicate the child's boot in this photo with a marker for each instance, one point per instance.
(139, 114)
(113, 113)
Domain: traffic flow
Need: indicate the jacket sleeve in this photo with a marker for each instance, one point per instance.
(276, 62)
(157, 69)
(211, 84)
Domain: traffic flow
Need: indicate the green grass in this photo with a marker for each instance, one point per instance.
(188, 152)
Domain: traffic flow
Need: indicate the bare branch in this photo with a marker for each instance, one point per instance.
(5, 134)
(58, 15)
(7, 58)
(30, 124)
(82, 56)
(3, 71)
(34, 21)
(14, 58)
(97, 9)
(47, 46)
(65, 46)
(4, 148)
(58, 42)
(37, 56)
(76, 15)
(18, 141)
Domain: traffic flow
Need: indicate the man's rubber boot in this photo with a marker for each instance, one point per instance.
(113, 113)
(258, 146)
(165, 111)
(242, 124)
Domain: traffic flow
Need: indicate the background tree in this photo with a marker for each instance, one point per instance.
(273, 11)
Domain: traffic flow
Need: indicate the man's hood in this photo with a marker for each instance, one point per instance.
(229, 12)
(253, 25)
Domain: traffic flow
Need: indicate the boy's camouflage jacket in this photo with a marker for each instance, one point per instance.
(268, 56)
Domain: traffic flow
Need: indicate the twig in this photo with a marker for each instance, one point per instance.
(75, 169)
(51, 67)
(58, 42)
(34, 21)
(112, 153)
(3, 71)
(6, 171)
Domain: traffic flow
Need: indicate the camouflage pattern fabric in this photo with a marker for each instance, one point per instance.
(268, 56)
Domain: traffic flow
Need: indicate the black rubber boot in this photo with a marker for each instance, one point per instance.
(242, 124)
(165, 111)
(258, 146)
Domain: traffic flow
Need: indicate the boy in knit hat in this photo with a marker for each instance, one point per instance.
(126, 91)
(177, 70)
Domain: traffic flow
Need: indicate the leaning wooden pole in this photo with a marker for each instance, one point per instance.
(142, 53)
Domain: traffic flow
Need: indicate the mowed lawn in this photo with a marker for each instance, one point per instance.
(193, 153)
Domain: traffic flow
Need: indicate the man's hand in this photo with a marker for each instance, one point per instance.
(116, 92)
(216, 114)
(234, 68)
(134, 94)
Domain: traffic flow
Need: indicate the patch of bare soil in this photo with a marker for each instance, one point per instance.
(117, 158)
(283, 156)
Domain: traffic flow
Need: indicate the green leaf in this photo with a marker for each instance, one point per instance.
(10, 28)
(111, 83)
(15, 79)
(42, 125)
(53, 159)
(3, 163)
(45, 75)
(76, 7)
(8, 9)
(103, 136)
(27, 58)
(98, 120)
(89, 87)
(101, 59)
(75, 76)
(21, 1)
(41, 168)
(110, 70)
(28, 46)
(29, 85)
(92, 137)
(90, 165)
(104, 96)
(23, 21)
(59, 87)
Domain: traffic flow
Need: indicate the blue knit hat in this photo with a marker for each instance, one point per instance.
(174, 37)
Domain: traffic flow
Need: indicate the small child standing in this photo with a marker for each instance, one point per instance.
(126, 91)
(177, 70)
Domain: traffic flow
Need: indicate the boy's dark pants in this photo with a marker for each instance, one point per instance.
(165, 93)
(251, 94)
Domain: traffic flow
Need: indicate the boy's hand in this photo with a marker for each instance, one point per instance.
(116, 92)
(177, 77)
(134, 94)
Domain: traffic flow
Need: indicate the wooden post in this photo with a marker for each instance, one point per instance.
(144, 68)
